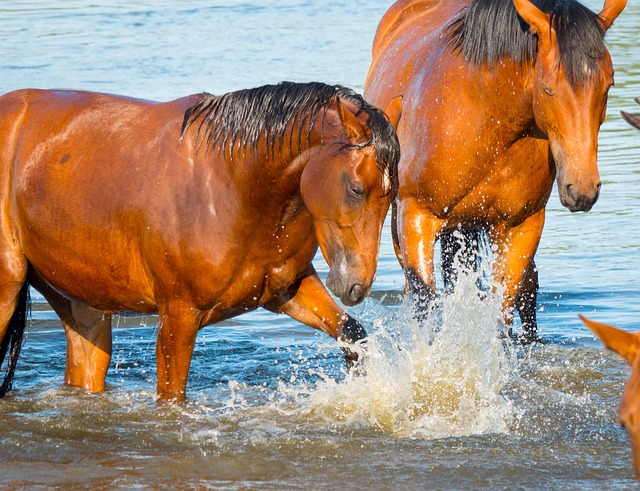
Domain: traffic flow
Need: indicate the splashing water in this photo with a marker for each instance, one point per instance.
(442, 377)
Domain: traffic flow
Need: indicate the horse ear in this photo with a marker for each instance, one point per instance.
(394, 111)
(539, 22)
(632, 119)
(611, 11)
(624, 343)
(350, 124)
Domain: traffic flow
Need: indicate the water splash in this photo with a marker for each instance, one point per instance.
(443, 377)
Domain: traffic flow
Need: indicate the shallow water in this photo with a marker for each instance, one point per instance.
(444, 405)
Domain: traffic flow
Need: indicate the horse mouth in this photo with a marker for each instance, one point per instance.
(581, 203)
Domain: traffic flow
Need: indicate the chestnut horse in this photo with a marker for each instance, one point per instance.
(626, 345)
(500, 97)
(198, 209)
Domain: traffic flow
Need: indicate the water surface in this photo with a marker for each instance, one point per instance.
(444, 405)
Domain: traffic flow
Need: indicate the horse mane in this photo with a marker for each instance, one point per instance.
(243, 117)
(488, 30)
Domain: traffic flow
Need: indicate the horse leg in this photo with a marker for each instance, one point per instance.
(309, 302)
(177, 329)
(526, 303)
(394, 232)
(465, 247)
(516, 247)
(88, 333)
(417, 235)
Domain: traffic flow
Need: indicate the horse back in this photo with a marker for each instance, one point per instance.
(408, 31)
(85, 174)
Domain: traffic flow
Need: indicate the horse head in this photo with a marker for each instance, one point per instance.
(627, 345)
(348, 188)
(632, 119)
(572, 74)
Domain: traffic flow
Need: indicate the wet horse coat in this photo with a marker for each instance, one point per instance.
(500, 98)
(198, 209)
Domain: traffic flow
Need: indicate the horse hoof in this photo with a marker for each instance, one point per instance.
(355, 358)
(528, 338)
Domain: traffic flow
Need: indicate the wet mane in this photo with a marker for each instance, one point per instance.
(488, 30)
(272, 111)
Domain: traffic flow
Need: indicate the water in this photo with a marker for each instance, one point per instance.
(444, 405)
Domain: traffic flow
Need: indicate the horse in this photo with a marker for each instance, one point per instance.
(632, 119)
(627, 345)
(198, 209)
(500, 98)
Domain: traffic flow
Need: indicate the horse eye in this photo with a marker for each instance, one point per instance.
(357, 191)
(547, 90)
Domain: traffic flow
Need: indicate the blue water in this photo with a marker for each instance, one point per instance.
(270, 404)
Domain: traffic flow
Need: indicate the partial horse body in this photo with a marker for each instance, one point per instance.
(627, 345)
(500, 98)
(198, 209)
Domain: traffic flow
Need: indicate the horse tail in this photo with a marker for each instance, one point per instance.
(12, 341)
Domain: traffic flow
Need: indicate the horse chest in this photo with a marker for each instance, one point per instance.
(507, 187)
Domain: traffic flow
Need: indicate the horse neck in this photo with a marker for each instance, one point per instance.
(286, 161)
(306, 145)
(505, 98)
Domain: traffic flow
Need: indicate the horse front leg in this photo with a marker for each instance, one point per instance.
(514, 268)
(526, 304)
(309, 302)
(178, 326)
(417, 233)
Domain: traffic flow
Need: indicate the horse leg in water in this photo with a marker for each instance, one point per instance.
(515, 248)
(527, 303)
(466, 246)
(416, 233)
(88, 334)
(308, 301)
(178, 324)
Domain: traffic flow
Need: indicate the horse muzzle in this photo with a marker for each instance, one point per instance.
(575, 199)
(350, 288)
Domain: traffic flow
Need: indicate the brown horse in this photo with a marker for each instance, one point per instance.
(626, 345)
(632, 119)
(198, 209)
(500, 97)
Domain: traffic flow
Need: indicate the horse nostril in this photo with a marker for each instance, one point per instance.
(357, 292)
(568, 188)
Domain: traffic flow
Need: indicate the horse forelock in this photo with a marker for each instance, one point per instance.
(489, 30)
(240, 119)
